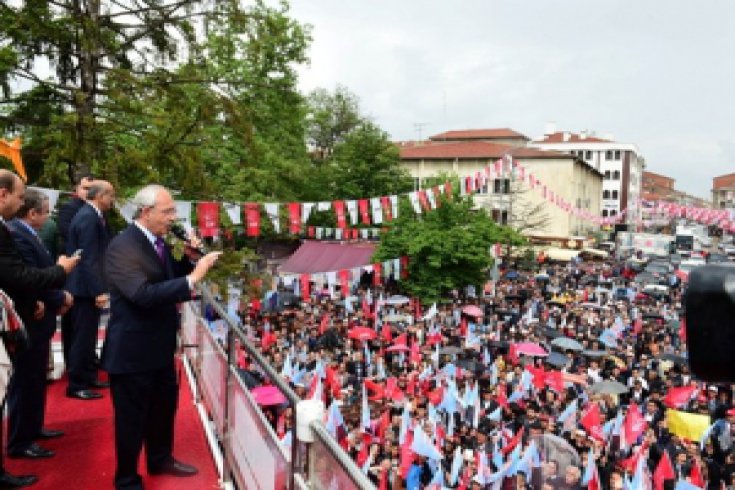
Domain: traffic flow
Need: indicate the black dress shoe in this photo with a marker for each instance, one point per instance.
(34, 451)
(49, 434)
(84, 394)
(11, 481)
(174, 468)
(99, 384)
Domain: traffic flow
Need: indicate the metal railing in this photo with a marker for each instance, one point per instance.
(252, 455)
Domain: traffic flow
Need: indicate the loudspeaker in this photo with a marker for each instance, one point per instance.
(710, 322)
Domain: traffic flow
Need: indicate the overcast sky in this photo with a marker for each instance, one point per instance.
(659, 74)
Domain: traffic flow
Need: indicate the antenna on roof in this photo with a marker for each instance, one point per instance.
(419, 128)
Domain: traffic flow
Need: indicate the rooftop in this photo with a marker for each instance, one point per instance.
(567, 137)
(479, 134)
(470, 150)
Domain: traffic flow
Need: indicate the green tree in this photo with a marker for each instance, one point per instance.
(448, 247)
(331, 117)
(199, 95)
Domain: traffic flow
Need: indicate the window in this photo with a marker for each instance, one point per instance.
(604, 213)
(616, 175)
(617, 154)
(500, 216)
(607, 175)
(588, 155)
(614, 194)
(416, 183)
(606, 194)
(608, 155)
(502, 186)
(613, 212)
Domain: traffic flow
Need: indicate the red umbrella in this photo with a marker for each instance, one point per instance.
(398, 348)
(472, 310)
(268, 395)
(530, 349)
(362, 333)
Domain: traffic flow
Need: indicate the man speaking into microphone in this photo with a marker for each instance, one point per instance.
(145, 284)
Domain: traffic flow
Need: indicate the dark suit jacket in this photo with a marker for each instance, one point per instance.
(35, 254)
(22, 282)
(66, 213)
(88, 232)
(144, 292)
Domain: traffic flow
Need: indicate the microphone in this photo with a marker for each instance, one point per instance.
(179, 232)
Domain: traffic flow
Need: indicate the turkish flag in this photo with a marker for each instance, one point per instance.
(377, 390)
(555, 380)
(339, 210)
(377, 274)
(385, 333)
(252, 218)
(592, 422)
(324, 324)
(294, 218)
(513, 442)
(387, 207)
(305, 286)
(424, 200)
(695, 476)
(676, 397)
(392, 390)
(634, 424)
(364, 207)
(436, 396)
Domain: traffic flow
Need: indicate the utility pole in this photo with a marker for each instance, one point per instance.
(419, 127)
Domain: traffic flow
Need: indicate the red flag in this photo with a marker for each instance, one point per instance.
(269, 338)
(312, 231)
(252, 218)
(344, 275)
(387, 207)
(208, 218)
(555, 380)
(676, 397)
(294, 217)
(377, 274)
(695, 476)
(406, 455)
(437, 193)
(538, 375)
(377, 390)
(415, 355)
(513, 442)
(339, 210)
(637, 326)
(392, 390)
(364, 207)
(401, 340)
(386, 334)
(404, 267)
(634, 424)
(383, 480)
(664, 471)
(501, 396)
(448, 190)
(332, 382)
(324, 324)
(592, 422)
(436, 396)
(683, 329)
(305, 286)
(424, 200)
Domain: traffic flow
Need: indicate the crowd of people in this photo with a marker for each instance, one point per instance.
(564, 377)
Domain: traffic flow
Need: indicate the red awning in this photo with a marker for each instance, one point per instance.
(313, 257)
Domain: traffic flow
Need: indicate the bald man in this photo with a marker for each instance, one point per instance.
(89, 233)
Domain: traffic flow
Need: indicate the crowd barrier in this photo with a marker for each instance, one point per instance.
(252, 455)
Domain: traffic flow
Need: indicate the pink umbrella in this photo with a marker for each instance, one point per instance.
(268, 395)
(530, 349)
(362, 333)
(472, 310)
(398, 348)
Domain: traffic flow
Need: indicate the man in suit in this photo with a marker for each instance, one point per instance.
(22, 282)
(146, 284)
(27, 391)
(88, 232)
(66, 213)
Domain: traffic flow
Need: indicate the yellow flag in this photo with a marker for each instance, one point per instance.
(689, 426)
(11, 151)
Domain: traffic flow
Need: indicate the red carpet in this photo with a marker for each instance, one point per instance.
(85, 456)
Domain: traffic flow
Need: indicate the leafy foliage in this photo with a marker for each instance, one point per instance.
(448, 247)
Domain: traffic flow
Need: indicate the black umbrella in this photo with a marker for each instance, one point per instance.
(551, 333)
(502, 344)
(512, 297)
(652, 316)
(450, 350)
(471, 365)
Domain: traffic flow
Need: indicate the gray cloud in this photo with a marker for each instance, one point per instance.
(654, 73)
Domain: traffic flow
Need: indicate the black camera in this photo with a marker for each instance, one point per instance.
(710, 322)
